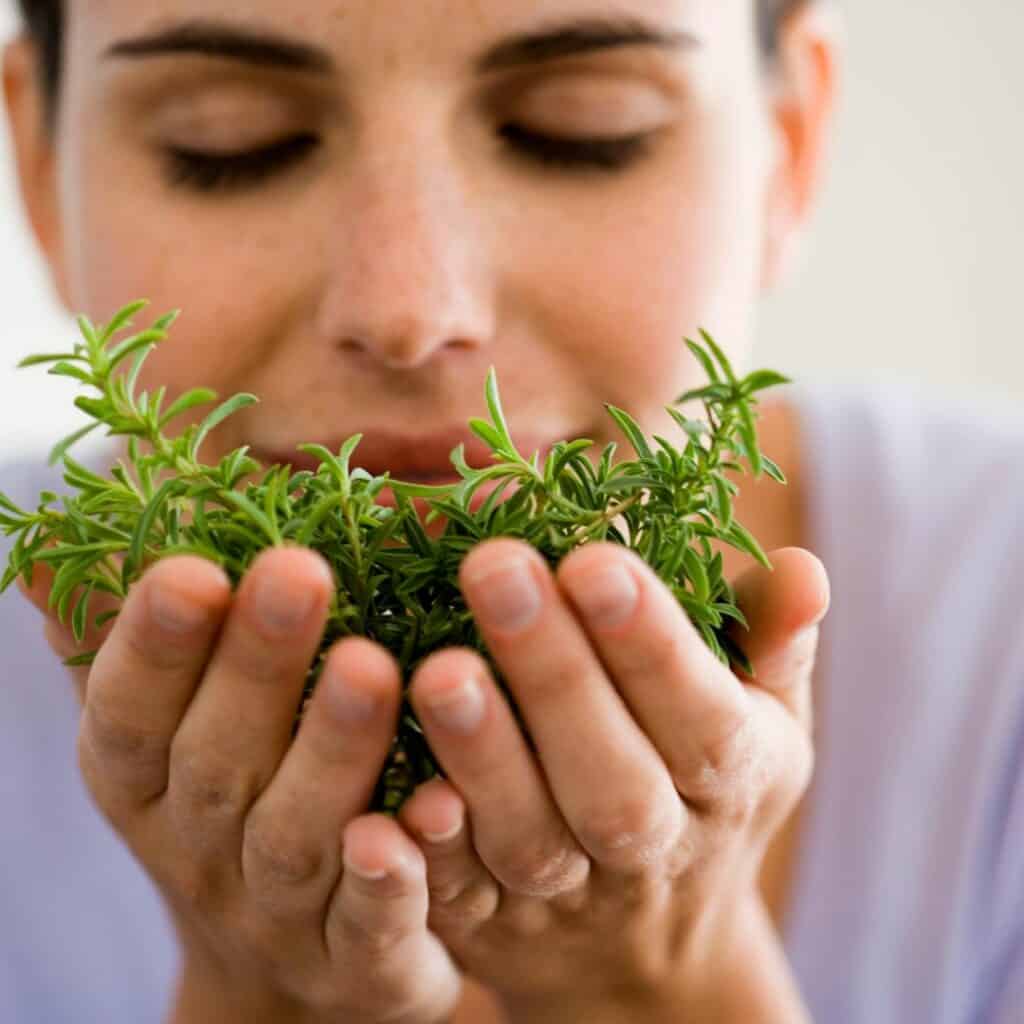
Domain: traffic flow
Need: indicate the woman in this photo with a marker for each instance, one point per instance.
(359, 213)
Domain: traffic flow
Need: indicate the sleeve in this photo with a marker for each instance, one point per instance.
(1000, 992)
(1008, 1000)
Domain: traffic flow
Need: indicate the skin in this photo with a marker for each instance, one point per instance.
(418, 253)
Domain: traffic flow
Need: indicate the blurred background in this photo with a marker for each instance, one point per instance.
(910, 273)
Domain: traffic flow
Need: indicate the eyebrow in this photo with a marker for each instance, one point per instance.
(219, 38)
(582, 36)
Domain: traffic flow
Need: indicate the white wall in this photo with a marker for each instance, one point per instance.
(913, 266)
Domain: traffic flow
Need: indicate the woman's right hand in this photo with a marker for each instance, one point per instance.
(284, 890)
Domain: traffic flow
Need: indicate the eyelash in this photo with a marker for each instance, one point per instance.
(209, 172)
(579, 154)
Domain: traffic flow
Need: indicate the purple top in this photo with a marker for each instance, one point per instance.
(909, 897)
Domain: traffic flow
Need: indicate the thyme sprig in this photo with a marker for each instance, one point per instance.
(395, 584)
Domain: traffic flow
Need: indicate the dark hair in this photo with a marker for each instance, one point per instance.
(44, 20)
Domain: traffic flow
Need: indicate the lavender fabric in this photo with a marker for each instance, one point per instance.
(909, 894)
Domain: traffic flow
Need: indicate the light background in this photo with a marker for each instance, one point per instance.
(913, 266)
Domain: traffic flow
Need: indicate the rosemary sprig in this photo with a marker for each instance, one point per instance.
(395, 584)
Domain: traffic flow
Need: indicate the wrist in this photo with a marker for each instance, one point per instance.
(205, 994)
(743, 975)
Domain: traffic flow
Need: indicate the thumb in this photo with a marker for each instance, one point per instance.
(784, 607)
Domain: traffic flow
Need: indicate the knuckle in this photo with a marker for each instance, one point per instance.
(538, 869)
(110, 734)
(732, 745)
(206, 783)
(635, 833)
(790, 781)
(555, 681)
(194, 887)
(275, 854)
(467, 901)
(662, 651)
(377, 940)
(157, 648)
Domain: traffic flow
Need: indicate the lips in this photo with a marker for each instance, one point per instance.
(409, 457)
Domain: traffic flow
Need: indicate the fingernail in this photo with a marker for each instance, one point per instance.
(506, 594)
(370, 874)
(348, 705)
(459, 708)
(606, 596)
(281, 602)
(174, 611)
(443, 837)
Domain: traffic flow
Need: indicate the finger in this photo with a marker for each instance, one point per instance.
(59, 635)
(375, 924)
(291, 854)
(463, 893)
(145, 674)
(607, 779)
(240, 722)
(784, 607)
(696, 713)
(471, 730)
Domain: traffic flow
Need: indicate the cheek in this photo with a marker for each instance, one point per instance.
(140, 240)
(675, 249)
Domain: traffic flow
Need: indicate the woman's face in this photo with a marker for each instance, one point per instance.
(429, 205)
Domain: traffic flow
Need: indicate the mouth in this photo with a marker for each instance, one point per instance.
(411, 458)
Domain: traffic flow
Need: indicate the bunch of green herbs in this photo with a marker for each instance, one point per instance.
(395, 584)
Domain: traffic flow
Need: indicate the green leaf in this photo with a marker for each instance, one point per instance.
(724, 499)
(723, 361)
(37, 359)
(761, 379)
(696, 430)
(121, 319)
(487, 433)
(255, 513)
(748, 431)
(221, 413)
(741, 538)
(79, 617)
(631, 429)
(67, 578)
(704, 359)
(88, 329)
(197, 396)
(67, 369)
(58, 450)
(81, 659)
(497, 415)
(145, 339)
(137, 549)
(64, 551)
(697, 574)
(133, 374)
(104, 617)
(773, 470)
(6, 503)
(166, 320)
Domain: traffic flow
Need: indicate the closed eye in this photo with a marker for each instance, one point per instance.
(606, 154)
(208, 171)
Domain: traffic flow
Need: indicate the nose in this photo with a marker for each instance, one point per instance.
(408, 274)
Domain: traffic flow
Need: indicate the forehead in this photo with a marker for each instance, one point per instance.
(392, 31)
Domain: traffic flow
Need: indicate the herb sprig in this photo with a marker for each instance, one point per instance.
(395, 584)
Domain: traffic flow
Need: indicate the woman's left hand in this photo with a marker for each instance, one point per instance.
(615, 860)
